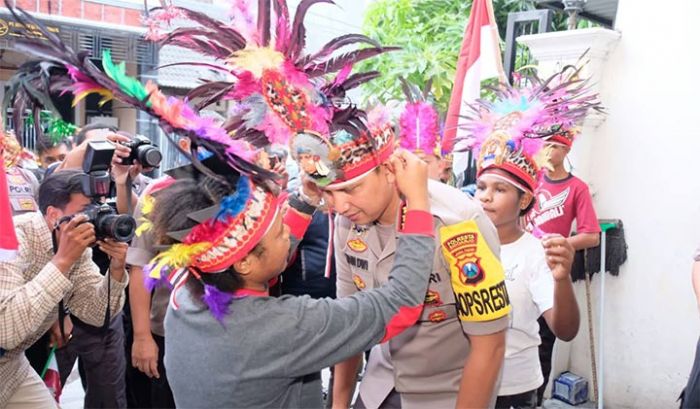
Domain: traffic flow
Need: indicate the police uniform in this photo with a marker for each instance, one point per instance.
(23, 187)
(424, 364)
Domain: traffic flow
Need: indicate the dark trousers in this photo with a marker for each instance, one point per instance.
(38, 353)
(690, 398)
(101, 354)
(527, 400)
(161, 395)
(545, 350)
(393, 401)
(138, 385)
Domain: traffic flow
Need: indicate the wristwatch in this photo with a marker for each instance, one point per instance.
(298, 201)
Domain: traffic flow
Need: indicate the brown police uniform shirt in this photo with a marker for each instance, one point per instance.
(424, 363)
(23, 188)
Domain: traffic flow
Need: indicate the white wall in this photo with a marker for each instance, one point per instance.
(644, 170)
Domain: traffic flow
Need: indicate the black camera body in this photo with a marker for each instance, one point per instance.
(143, 151)
(96, 184)
(109, 224)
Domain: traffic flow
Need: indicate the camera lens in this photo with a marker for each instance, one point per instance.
(149, 156)
(118, 227)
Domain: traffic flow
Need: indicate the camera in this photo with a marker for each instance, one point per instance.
(109, 224)
(98, 158)
(96, 184)
(143, 151)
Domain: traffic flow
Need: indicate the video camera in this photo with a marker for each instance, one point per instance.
(96, 184)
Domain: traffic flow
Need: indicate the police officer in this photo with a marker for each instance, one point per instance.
(453, 355)
(22, 184)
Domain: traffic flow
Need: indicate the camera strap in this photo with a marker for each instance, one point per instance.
(61, 306)
(130, 185)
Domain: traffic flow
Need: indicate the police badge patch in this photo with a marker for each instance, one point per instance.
(477, 277)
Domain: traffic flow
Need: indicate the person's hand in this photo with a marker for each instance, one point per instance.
(116, 251)
(411, 178)
(55, 338)
(310, 190)
(559, 254)
(74, 237)
(136, 169)
(118, 170)
(281, 170)
(144, 355)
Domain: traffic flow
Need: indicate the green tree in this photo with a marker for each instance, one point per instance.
(430, 33)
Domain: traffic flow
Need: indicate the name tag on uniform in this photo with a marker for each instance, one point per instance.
(476, 274)
(23, 204)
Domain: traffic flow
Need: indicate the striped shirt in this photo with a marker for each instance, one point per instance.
(31, 288)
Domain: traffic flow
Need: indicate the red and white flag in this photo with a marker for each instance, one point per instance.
(8, 238)
(479, 59)
(51, 376)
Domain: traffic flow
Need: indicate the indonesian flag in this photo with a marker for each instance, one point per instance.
(51, 376)
(479, 59)
(8, 239)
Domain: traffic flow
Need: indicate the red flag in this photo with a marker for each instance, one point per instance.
(479, 59)
(8, 239)
(51, 376)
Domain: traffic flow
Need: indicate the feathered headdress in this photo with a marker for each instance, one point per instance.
(30, 89)
(224, 233)
(174, 115)
(509, 132)
(12, 151)
(279, 89)
(358, 143)
(274, 97)
(419, 124)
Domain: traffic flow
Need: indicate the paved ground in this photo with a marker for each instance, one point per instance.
(72, 396)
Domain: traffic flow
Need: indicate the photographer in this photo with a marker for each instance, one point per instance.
(54, 264)
(102, 365)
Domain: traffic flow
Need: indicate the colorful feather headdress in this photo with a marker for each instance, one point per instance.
(279, 89)
(224, 233)
(12, 151)
(274, 97)
(419, 123)
(357, 144)
(175, 115)
(510, 132)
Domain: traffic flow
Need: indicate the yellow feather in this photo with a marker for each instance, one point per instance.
(144, 226)
(148, 203)
(177, 256)
(256, 59)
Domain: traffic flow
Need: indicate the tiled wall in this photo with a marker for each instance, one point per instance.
(84, 9)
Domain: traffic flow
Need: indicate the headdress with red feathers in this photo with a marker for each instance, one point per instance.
(275, 97)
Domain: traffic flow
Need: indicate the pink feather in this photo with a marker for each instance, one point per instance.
(241, 17)
(246, 86)
(419, 128)
(320, 118)
(282, 42)
(295, 77)
(378, 117)
(342, 75)
(275, 129)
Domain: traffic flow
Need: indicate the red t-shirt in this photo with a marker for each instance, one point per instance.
(559, 202)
